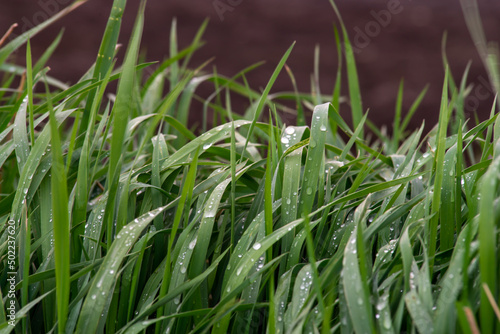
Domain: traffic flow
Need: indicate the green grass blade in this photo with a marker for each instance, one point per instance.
(263, 97)
(447, 213)
(488, 246)
(396, 134)
(61, 224)
(29, 88)
(352, 76)
(315, 156)
(105, 278)
(356, 289)
(12, 46)
(439, 166)
(105, 54)
(120, 113)
(20, 135)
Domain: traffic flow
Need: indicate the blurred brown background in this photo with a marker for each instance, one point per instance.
(394, 39)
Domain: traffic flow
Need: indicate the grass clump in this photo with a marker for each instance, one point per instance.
(116, 217)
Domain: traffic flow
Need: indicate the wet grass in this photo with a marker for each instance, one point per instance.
(124, 220)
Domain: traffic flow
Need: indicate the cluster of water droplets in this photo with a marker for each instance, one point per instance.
(382, 310)
(304, 283)
(289, 135)
(92, 227)
(212, 205)
(181, 259)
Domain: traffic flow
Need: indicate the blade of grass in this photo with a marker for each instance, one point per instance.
(105, 278)
(352, 75)
(105, 54)
(13, 45)
(438, 167)
(188, 188)
(264, 95)
(315, 156)
(29, 88)
(488, 248)
(60, 223)
(120, 114)
(396, 134)
(268, 213)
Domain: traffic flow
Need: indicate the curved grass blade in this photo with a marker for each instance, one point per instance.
(32, 163)
(422, 320)
(9, 48)
(107, 275)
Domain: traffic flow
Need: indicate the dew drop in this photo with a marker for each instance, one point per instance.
(387, 323)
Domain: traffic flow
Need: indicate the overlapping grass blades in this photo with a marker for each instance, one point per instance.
(128, 221)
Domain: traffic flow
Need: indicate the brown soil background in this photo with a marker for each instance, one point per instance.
(408, 47)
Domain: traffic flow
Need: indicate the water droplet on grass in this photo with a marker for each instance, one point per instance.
(387, 323)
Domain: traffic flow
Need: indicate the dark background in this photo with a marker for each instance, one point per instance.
(408, 47)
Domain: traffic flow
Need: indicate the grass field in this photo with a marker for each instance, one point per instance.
(117, 217)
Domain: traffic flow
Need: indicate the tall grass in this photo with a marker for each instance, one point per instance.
(127, 221)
